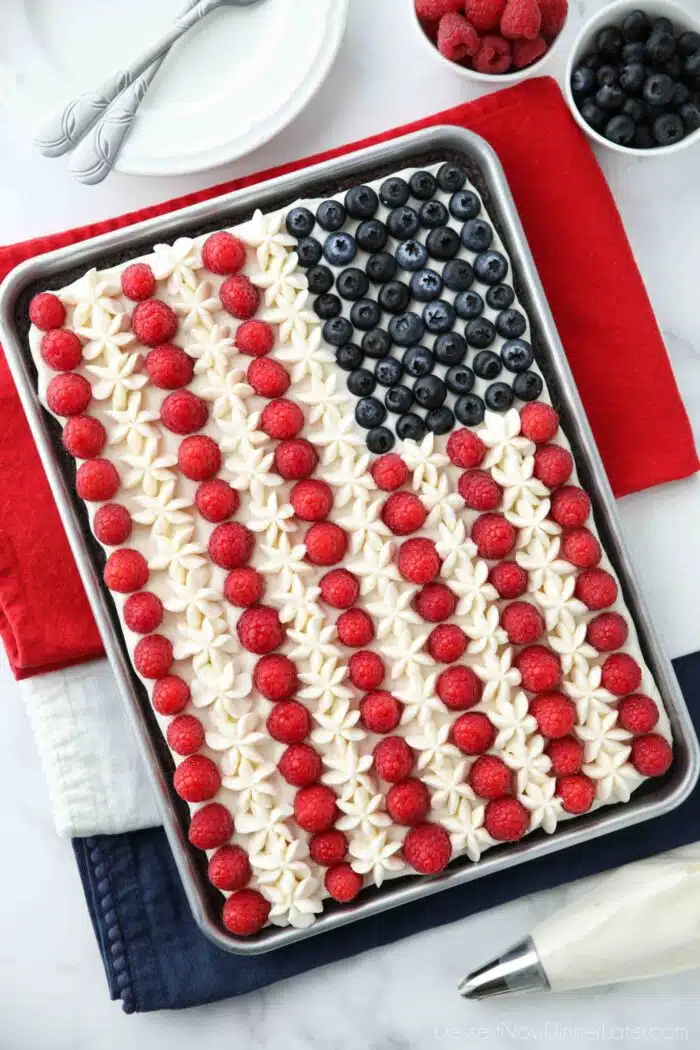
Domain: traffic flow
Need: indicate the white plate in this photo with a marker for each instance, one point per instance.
(232, 83)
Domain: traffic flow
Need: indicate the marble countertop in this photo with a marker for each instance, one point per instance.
(53, 994)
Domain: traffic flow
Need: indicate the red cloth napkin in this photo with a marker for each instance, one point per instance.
(594, 289)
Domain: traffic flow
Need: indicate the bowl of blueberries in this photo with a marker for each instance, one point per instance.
(633, 78)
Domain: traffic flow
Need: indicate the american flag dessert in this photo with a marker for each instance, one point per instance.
(345, 539)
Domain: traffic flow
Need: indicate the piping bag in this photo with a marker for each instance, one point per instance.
(638, 921)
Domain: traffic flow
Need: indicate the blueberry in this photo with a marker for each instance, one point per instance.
(422, 185)
(480, 333)
(469, 409)
(499, 397)
(690, 114)
(361, 382)
(636, 26)
(349, 357)
(361, 202)
(459, 379)
(380, 440)
(339, 249)
(394, 192)
(439, 316)
(500, 297)
(352, 283)
(668, 129)
(691, 66)
(490, 267)
(370, 413)
(632, 78)
(593, 60)
(376, 343)
(429, 391)
(320, 280)
(388, 371)
(411, 255)
(661, 46)
(327, 306)
(610, 41)
(371, 235)
(658, 89)
(406, 329)
(487, 365)
(688, 44)
(634, 52)
(440, 420)
(394, 297)
(528, 386)
(365, 314)
(381, 267)
(457, 275)
(673, 67)
(469, 305)
(309, 251)
(510, 324)
(654, 111)
(464, 205)
(398, 399)
(426, 285)
(662, 25)
(610, 97)
(300, 222)
(418, 361)
(607, 74)
(636, 109)
(592, 114)
(337, 331)
(517, 355)
(477, 235)
(433, 214)
(450, 348)
(403, 222)
(442, 243)
(451, 177)
(583, 81)
(411, 427)
(644, 138)
(681, 94)
(621, 130)
(331, 215)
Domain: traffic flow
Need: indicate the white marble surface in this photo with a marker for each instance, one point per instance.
(52, 989)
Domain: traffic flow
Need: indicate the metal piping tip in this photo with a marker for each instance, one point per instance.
(517, 970)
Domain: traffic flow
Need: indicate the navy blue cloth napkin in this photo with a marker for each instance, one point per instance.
(155, 958)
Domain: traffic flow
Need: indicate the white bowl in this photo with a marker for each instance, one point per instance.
(486, 78)
(614, 14)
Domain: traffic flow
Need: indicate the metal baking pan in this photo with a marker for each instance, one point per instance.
(59, 268)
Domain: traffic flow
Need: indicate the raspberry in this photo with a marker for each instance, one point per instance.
(112, 524)
(281, 419)
(554, 14)
(196, 779)
(153, 657)
(300, 765)
(223, 253)
(522, 622)
(538, 422)
(170, 695)
(243, 587)
(312, 500)
(216, 500)
(339, 588)
(484, 15)
(328, 848)
(621, 674)
(435, 602)
(490, 777)
(276, 677)
(456, 39)
(315, 808)
(199, 458)
(355, 628)
(403, 513)
(245, 912)
(637, 713)
(525, 52)
(581, 548)
(607, 632)
(143, 612)
(210, 827)
(229, 868)
(521, 19)
(295, 459)
(46, 311)
(169, 367)
(289, 722)
(539, 668)
(651, 755)
(458, 688)
(259, 630)
(185, 735)
(255, 338)
(596, 588)
(473, 733)
(408, 802)
(447, 643)
(125, 571)
(509, 579)
(554, 713)
(465, 448)
(183, 412)
(366, 670)
(68, 395)
(343, 883)
(494, 536)
(326, 543)
(96, 480)
(154, 322)
(231, 545)
(570, 506)
(241, 298)
(380, 712)
(268, 378)
(506, 819)
(577, 792)
(61, 350)
(138, 282)
(389, 472)
(565, 754)
(427, 848)
(418, 561)
(433, 10)
(84, 437)
(493, 56)
(393, 759)
(479, 490)
(553, 465)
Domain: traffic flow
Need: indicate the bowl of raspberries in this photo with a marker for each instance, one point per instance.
(633, 77)
(498, 40)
